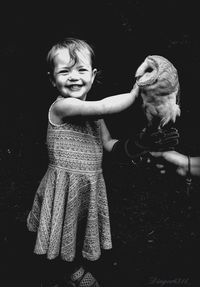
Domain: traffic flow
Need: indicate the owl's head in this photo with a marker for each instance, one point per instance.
(158, 73)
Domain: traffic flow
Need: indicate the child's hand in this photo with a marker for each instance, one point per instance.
(135, 90)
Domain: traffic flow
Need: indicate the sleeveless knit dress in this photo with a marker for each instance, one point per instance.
(70, 208)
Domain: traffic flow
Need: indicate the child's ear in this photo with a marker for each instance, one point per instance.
(94, 71)
(51, 79)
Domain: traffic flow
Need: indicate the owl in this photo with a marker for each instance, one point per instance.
(160, 90)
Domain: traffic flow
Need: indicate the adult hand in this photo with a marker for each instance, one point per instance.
(175, 158)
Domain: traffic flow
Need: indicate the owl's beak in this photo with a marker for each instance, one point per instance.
(145, 67)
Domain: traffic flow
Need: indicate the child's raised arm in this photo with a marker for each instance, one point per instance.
(70, 107)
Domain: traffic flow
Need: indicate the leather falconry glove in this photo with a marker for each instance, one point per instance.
(144, 142)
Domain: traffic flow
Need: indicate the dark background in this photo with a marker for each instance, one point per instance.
(155, 223)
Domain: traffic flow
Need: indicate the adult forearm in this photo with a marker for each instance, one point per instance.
(184, 167)
(195, 166)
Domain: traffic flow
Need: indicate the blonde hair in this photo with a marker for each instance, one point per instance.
(73, 45)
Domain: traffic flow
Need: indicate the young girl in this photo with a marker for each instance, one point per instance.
(70, 210)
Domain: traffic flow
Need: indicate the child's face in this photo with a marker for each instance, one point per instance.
(73, 80)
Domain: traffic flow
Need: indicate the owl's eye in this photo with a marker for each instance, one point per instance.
(148, 70)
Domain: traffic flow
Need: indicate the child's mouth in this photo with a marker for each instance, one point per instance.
(75, 87)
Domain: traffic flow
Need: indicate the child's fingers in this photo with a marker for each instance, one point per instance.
(135, 89)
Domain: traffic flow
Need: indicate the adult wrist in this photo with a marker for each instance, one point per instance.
(126, 151)
(188, 166)
(188, 175)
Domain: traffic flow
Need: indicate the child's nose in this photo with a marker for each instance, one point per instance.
(73, 76)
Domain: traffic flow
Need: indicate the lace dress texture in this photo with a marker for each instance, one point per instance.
(70, 208)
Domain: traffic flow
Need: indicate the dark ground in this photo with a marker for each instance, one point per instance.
(155, 224)
(155, 229)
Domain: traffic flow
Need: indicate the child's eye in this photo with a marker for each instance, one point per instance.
(63, 72)
(82, 70)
